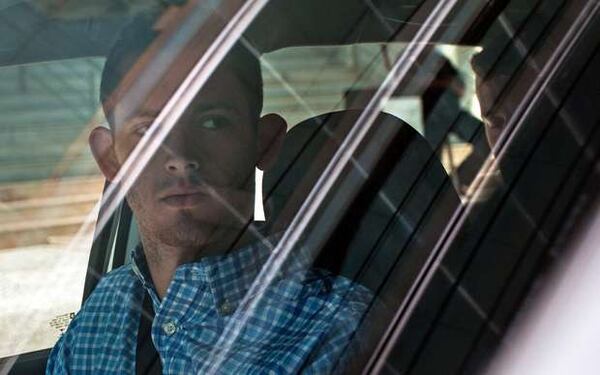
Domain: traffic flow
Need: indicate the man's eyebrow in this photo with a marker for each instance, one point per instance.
(145, 115)
(197, 109)
(211, 106)
(140, 117)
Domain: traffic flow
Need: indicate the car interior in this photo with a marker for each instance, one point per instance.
(451, 260)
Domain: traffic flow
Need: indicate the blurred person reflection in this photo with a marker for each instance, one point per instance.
(489, 86)
(504, 246)
(166, 310)
(444, 117)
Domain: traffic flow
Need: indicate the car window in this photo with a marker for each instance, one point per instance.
(264, 186)
(541, 133)
(49, 189)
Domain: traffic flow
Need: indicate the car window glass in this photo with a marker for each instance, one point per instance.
(514, 225)
(293, 187)
(49, 189)
(197, 186)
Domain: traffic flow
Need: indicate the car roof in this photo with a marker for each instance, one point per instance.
(40, 31)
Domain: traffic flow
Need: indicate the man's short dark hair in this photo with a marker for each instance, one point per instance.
(140, 33)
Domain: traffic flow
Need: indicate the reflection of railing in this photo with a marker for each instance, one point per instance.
(90, 8)
(45, 109)
(319, 77)
(45, 212)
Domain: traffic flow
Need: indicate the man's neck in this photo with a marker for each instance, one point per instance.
(163, 260)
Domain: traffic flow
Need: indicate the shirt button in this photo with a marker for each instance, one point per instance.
(225, 308)
(169, 328)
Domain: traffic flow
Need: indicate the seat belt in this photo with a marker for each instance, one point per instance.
(147, 359)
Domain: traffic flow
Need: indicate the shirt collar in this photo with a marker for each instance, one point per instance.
(228, 276)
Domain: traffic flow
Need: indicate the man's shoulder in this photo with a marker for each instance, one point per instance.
(120, 275)
(99, 328)
(336, 307)
(114, 290)
(116, 281)
(338, 291)
(337, 284)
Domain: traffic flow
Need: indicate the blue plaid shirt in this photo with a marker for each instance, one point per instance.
(304, 323)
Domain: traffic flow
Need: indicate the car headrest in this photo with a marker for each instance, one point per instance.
(388, 216)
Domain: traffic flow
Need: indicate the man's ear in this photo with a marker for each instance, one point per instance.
(101, 144)
(271, 133)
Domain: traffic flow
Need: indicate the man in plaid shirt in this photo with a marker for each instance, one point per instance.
(166, 311)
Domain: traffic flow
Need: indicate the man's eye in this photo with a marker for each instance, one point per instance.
(214, 123)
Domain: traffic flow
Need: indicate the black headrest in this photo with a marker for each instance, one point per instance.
(389, 211)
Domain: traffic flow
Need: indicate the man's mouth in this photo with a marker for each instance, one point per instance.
(182, 198)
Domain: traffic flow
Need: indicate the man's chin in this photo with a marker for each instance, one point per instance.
(188, 233)
(180, 237)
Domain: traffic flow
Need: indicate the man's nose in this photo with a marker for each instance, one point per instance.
(181, 160)
(181, 166)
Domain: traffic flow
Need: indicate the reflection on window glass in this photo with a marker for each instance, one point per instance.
(440, 104)
(48, 187)
(290, 189)
(519, 207)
